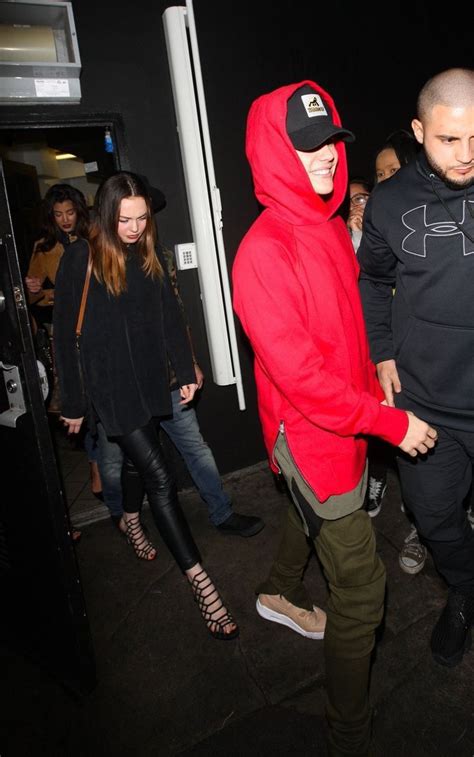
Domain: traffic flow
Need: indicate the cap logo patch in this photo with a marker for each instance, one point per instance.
(313, 105)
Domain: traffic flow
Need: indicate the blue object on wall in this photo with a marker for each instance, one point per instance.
(108, 142)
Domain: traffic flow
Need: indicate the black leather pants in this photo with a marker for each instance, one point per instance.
(145, 470)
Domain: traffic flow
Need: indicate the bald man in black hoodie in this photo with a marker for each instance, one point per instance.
(418, 236)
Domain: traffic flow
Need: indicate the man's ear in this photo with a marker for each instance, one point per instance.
(417, 127)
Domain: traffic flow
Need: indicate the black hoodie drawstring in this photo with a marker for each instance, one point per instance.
(448, 211)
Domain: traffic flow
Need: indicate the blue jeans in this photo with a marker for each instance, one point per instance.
(110, 460)
(90, 446)
(183, 430)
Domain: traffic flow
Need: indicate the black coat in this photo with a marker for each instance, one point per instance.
(125, 345)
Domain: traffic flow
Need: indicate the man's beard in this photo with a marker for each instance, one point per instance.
(442, 174)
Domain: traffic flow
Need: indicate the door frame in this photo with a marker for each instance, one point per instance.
(45, 618)
(72, 662)
(10, 119)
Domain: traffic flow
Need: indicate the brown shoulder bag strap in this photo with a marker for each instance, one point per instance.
(85, 291)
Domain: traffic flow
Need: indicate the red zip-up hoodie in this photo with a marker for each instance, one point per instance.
(297, 297)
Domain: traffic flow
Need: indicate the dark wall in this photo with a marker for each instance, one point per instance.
(373, 69)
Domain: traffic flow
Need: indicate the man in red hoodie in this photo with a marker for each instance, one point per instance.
(297, 297)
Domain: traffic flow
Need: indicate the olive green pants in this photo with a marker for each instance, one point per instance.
(356, 578)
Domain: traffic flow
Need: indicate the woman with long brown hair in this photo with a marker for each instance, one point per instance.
(132, 325)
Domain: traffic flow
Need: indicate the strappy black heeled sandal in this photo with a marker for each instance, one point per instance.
(136, 538)
(203, 590)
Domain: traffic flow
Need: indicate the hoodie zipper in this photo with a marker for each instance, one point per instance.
(281, 430)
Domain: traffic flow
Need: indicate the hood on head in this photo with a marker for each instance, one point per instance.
(280, 180)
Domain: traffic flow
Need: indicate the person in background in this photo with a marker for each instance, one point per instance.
(296, 295)
(359, 192)
(399, 149)
(132, 326)
(416, 266)
(378, 450)
(65, 218)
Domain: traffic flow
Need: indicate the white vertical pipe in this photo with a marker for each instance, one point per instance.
(219, 328)
(215, 201)
(196, 186)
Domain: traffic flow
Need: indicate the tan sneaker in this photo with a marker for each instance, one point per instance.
(275, 607)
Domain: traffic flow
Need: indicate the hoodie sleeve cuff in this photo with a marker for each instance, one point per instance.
(391, 425)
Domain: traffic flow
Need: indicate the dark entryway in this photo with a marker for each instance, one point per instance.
(44, 615)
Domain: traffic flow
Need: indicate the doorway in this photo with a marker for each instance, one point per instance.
(35, 159)
(45, 616)
(82, 153)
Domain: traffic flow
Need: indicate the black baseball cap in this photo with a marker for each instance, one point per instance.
(309, 120)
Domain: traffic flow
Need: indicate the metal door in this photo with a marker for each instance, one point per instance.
(43, 611)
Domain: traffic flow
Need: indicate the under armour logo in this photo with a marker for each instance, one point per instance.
(415, 242)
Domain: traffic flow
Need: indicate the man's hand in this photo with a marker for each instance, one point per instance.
(419, 438)
(388, 376)
(73, 425)
(187, 392)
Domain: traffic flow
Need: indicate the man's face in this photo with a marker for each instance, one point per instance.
(320, 165)
(447, 135)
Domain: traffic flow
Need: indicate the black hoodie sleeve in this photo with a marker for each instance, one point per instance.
(376, 281)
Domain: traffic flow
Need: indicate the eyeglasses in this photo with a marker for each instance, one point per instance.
(360, 198)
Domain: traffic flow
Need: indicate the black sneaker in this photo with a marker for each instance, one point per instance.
(241, 525)
(376, 488)
(451, 636)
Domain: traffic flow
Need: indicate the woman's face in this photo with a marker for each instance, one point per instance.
(133, 215)
(386, 164)
(65, 216)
